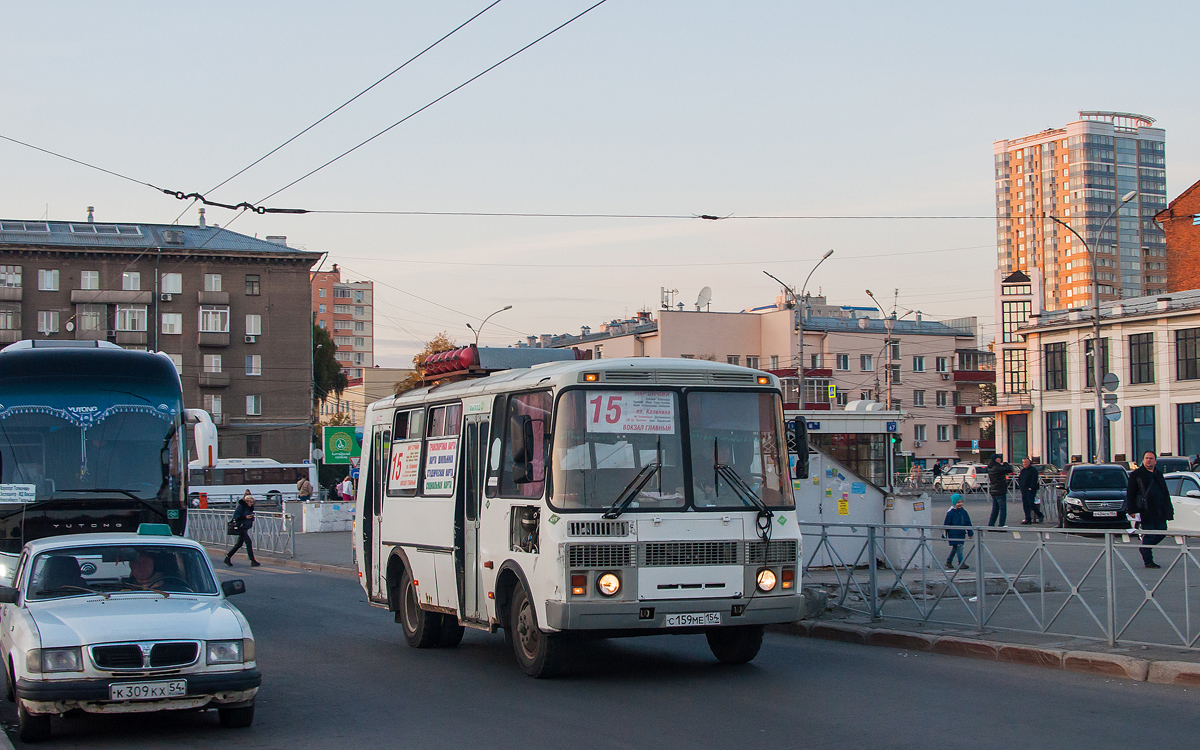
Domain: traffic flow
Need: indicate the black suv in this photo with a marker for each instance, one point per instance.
(1094, 497)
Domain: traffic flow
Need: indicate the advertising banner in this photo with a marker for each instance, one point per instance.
(342, 442)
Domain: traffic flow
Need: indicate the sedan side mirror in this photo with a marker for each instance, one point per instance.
(9, 595)
(233, 586)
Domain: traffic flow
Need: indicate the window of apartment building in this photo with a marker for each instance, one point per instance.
(321, 324)
(254, 445)
(943, 433)
(360, 327)
(956, 432)
(897, 404)
(212, 362)
(253, 325)
(131, 317)
(342, 325)
(843, 362)
(865, 363)
(1187, 354)
(341, 309)
(177, 360)
(1054, 356)
(939, 398)
(918, 364)
(321, 293)
(1013, 314)
(172, 323)
(733, 359)
(956, 398)
(172, 283)
(341, 292)
(1014, 371)
(1141, 358)
(91, 317)
(751, 361)
(918, 398)
(212, 282)
(360, 341)
(599, 351)
(842, 397)
(321, 309)
(359, 358)
(341, 340)
(1089, 365)
(253, 405)
(89, 280)
(253, 285)
(10, 276)
(254, 364)
(1057, 450)
(48, 321)
(895, 347)
(775, 362)
(359, 296)
(1141, 426)
(866, 396)
(941, 364)
(360, 310)
(212, 403)
(919, 432)
(48, 279)
(214, 319)
(131, 281)
(895, 369)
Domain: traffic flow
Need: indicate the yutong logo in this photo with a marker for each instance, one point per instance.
(77, 526)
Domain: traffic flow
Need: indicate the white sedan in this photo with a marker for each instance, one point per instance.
(123, 623)
(1184, 487)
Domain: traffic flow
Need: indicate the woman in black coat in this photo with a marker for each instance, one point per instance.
(243, 520)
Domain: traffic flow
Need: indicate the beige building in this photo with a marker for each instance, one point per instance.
(935, 368)
(376, 383)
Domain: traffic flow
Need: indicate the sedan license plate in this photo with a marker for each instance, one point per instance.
(688, 620)
(147, 691)
(1104, 513)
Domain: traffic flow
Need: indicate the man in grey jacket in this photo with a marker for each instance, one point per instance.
(998, 472)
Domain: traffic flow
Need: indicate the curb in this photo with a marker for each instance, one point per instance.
(291, 563)
(1184, 673)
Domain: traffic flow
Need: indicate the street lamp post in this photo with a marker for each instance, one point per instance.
(1097, 369)
(800, 324)
(485, 320)
(889, 322)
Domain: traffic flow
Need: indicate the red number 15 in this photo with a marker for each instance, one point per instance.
(612, 414)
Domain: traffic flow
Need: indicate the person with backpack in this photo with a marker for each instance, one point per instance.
(957, 516)
(304, 489)
(1148, 496)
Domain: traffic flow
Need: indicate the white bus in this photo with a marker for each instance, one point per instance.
(610, 497)
(228, 478)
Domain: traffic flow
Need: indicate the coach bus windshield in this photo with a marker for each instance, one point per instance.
(607, 443)
(84, 435)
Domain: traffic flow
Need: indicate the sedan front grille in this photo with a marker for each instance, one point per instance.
(145, 655)
(173, 654)
(123, 656)
(658, 554)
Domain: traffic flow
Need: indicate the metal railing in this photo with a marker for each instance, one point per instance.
(272, 532)
(221, 500)
(1090, 584)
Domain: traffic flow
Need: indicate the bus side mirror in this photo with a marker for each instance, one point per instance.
(524, 449)
(797, 441)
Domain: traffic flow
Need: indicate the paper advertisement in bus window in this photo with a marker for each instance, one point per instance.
(440, 455)
(631, 411)
(405, 463)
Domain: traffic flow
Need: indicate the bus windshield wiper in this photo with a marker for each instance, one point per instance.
(742, 489)
(632, 489)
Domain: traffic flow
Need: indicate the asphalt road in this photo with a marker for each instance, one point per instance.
(338, 674)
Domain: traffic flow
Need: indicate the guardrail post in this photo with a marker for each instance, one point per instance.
(873, 572)
(1110, 588)
(980, 582)
(291, 526)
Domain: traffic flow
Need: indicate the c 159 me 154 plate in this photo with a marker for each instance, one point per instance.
(692, 619)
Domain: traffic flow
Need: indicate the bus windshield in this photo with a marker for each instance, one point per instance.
(85, 435)
(607, 443)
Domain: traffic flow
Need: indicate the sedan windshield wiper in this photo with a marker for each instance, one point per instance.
(632, 489)
(78, 588)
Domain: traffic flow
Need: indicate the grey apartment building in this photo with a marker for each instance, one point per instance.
(231, 311)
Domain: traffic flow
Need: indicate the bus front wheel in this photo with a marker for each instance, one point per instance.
(539, 654)
(421, 628)
(735, 645)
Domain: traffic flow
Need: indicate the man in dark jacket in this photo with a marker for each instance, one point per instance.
(1027, 482)
(1147, 494)
(957, 516)
(998, 472)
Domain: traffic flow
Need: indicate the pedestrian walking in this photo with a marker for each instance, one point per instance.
(998, 472)
(1147, 495)
(346, 489)
(1028, 482)
(957, 516)
(915, 475)
(240, 524)
(937, 469)
(304, 489)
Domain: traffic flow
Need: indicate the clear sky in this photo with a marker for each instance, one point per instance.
(642, 106)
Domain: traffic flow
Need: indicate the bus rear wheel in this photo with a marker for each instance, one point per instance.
(735, 645)
(538, 654)
(421, 628)
(450, 634)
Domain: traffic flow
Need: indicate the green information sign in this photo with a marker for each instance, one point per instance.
(342, 443)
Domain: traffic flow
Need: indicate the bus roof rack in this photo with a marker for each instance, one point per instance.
(477, 362)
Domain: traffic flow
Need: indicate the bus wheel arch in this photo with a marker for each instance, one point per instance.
(397, 564)
(508, 578)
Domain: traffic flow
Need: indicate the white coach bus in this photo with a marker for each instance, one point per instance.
(606, 497)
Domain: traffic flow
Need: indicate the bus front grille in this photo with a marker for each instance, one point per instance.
(776, 551)
(600, 555)
(657, 554)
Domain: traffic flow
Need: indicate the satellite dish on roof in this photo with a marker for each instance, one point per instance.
(704, 298)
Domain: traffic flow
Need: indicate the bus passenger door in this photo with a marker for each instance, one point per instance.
(475, 462)
(378, 587)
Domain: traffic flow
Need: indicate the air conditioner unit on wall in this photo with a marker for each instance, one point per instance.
(251, 339)
(945, 376)
(165, 297)
(918, 443)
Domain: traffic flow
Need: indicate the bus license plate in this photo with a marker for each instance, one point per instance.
(693, 619)
(1105, 513)
(147, 691)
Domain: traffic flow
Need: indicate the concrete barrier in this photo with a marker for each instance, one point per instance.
(1174, 673)
(1034, 656)
(1110, 665)
(954, 646)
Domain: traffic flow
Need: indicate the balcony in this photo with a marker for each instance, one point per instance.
(965, 445)
(131, 337)
(213, 339)
(10, 294)
(214, 298)
(214, 379)
(974, 376)
(110, 297)
(968, 409)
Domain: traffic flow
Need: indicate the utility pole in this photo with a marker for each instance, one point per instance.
(800, 324)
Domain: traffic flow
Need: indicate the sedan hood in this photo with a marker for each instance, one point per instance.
(1108, 495)
(87, 620)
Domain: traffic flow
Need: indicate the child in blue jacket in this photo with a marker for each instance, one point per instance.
(957, 516)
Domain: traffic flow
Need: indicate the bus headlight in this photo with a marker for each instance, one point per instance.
(766, 579)
(608, 584)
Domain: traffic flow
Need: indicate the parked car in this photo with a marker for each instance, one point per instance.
(1094, 497)
(962, 478)
(123, 623)
(1170, 464)
(1184, 487)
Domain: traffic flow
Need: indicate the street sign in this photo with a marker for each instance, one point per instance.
(833, 391)
(1110, 398)
(975, 445)
(1112, 412)
(340, 444)
(1111, 381)
(354, 473)
(891, 426)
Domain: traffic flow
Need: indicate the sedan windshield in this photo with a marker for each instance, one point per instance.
(120, 569)
(1099, 479)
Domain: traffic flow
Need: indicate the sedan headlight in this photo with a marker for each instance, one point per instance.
(766, 579)
(224, 652)
(608, 584)
(54, 660)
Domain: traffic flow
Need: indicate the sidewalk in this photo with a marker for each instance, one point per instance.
(327, 551)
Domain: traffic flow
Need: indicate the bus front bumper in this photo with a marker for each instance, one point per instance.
(655, 615)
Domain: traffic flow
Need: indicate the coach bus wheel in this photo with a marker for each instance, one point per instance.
(421, 628)
(539, 654)
(735, 645)
(450, 634)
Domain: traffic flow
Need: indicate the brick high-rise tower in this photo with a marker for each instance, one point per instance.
(1078, 173)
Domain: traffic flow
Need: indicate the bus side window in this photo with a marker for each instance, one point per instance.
(404, 449)
(495, 450)
(522, 408)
